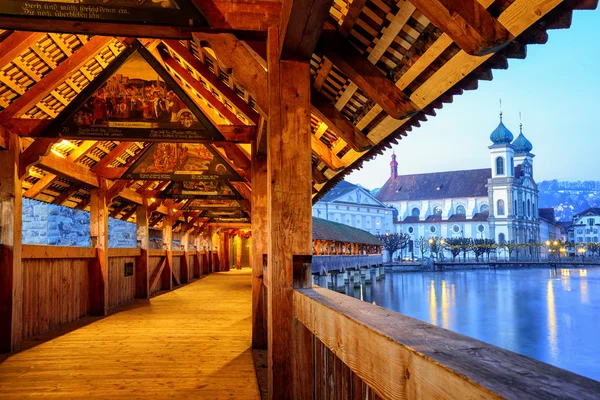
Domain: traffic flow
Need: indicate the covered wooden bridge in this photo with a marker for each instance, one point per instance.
(218, 119)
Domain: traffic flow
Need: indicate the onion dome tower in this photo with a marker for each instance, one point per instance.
(523, 148)
(502, 152)
(501, 135)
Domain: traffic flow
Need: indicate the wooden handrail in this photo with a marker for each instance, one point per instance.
(400, 357)
(124, 252)
(157, 253)
(30, 251)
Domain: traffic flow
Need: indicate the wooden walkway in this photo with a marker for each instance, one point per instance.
(193, 342)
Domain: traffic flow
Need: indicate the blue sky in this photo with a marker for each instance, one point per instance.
(556, 89)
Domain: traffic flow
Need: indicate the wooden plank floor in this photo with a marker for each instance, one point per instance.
(193, 342)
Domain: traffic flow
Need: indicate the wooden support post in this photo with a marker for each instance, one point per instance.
(289, 190)
(225, 260)
(185, 264)
(142, 277)
(166, 278)
(259, 246)
(11, 269)
(238, 253)
(98, 267)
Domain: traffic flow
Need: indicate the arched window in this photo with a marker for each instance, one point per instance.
(437, 210)
(501, 238)
(500, 207)
(484, 208)
(415, 212)
(528, 208)
(461, 210)
(512, 165)
(515, 211)
(499, 166)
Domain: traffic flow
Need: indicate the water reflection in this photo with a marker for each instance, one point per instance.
(552, 321)
(551, 315)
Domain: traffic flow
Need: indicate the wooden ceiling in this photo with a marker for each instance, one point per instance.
(379, 68)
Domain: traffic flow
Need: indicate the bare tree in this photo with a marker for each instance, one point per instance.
(393, 242)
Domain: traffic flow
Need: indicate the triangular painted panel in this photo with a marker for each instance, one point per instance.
(201, 190)
(225, 216)
(210, 204)
(181, 162)
(134, 99)
(182, 13)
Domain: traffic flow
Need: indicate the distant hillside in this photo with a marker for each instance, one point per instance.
(569, 198)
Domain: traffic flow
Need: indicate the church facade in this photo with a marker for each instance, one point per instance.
(500, 202)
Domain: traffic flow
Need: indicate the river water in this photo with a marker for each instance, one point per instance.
(552, 316)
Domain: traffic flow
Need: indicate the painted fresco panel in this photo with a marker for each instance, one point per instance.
(183, 162)
(215, 190)
(136, 103)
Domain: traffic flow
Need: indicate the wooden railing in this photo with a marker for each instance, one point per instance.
(362, 351)
(56, 280)
(326, 263)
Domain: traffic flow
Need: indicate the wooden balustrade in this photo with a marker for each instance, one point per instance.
(56, 280)
(364, 351)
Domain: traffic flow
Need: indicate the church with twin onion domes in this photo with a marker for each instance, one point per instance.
(500, 202)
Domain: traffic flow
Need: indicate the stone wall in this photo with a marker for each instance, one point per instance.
(49, 224)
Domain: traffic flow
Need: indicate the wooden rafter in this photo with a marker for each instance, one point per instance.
(366, 76)
(181, 73)
(213, 80)
(300, 27)
(246, 18)
(468, 23)
(351, 17)
(339, 124)
(322, 152)
(248, 72)
(15, 44)
(38, 91)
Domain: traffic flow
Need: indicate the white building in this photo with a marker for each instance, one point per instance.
(585, 227)
(550, 230)
(355, 206)
(497, 203)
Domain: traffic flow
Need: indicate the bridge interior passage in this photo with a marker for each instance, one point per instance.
(181, 344)
(212, 127)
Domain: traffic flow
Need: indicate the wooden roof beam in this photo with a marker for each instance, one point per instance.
(67, 193)
(301, 26)
(63, 167)
(34, 127)
(247, 18)
(247, 71)
(467, 23)
(351, 17)
(322, 152)
(336, 121)
(179, 72)
(53, 78)
(15, 44)
(213, 80)
(366, 76)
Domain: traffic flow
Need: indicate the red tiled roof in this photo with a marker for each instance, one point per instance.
(436, 185)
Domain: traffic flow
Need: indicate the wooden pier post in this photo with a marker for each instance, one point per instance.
(259, 247)
(11, 270)
(142, 277)
(166, 278)
(98, 268)
(289, 193)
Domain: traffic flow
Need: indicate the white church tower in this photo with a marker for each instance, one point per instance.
(500, 185)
